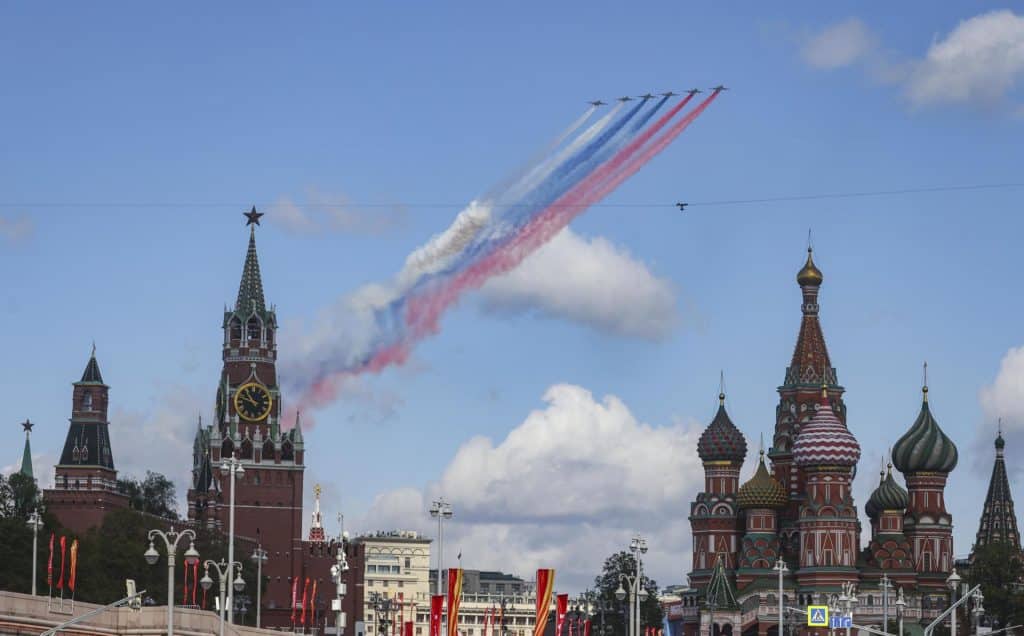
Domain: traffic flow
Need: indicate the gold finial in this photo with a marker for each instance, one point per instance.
(924, 386)
(761, 450)
(999, 425)
(721, 388)
(809, 274)
(317, 490)
(810, 244)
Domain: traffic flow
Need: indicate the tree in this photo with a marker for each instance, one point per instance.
(155, 494)
(997, 567)
(623, 563)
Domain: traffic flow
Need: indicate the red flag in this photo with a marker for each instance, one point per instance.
(436, 607)
(561, 607)
(74, 565)
(401, 610)
(487, 621)
(49, 564)
(184, 585)
(407, 628)
(63, 546)
(305, 596)
(295, 596)
(195, 579)
(545, 586)
(586, 627)
(312, 604)
(454, 599)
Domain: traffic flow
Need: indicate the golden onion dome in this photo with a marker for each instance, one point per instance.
(762, 490)
(809, 274)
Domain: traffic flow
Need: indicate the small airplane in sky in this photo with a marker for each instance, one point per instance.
(682, 206)
(669, 94)
(626, 99)
(720, 87)
(646, 96)
(693, 91)
(596, 102)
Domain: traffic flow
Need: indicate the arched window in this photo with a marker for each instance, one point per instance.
(227, 449)
(87, 401)
(236, 329)
(287, 452)
(253, 328)
(246, 450)
(268, 450)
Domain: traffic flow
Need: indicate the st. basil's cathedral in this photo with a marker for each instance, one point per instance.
(799, 515)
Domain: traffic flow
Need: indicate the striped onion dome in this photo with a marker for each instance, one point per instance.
(721, 440)
(762, 490)
(925, 448)
(824, 441)
(888, 496)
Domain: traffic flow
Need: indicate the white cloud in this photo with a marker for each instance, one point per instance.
(1004, 398)
(839, 45)
(159, 439)
(979, 62)
(323, 213)
(589, 281)
(14, 229)
(566, 488)
(982, 59)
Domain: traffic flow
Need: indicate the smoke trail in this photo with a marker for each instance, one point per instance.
(425, 310)
(415, 314)
(535, 162)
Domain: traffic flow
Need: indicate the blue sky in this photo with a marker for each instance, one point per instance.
(135, 137)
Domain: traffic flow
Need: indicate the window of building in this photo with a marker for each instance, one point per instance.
(371, 568)
(401, 584)
(408, 562)
(386, 582)
(87, 401)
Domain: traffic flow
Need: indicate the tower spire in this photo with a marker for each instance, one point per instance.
(26, 457)
(250, 289)
(998, 520)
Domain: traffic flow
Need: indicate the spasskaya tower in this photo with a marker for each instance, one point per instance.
(247, 414)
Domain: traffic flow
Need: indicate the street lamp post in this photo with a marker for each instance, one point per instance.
(781, 568)
(337, 575)
(381, 606)
(441, 510)
(901, 604)
(223, 574)
(259, 557)
(634, 583)
(978, 609)
(885, 584)
(231, 468)
(35, 522)
(953, 581)
(171, 539)
(849, 599)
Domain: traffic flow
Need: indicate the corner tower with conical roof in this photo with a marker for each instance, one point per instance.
(714, 514)
(998, 520)
(85, 483)
(809, 369)
(925, 455)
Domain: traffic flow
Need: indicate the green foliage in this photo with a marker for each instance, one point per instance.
(608, 582)
(155, 494)
(997, 567)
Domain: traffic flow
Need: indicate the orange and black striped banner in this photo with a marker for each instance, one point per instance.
(545, 587)
(454, 598)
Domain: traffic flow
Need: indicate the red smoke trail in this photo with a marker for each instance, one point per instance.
(425, 311)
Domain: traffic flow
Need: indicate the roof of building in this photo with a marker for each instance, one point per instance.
(26, 455)
(888, 496)
(721, 440)
(809, 274)
(250, 288)
(92, 374)
(998, 520)
(719, 592)
(825, 441)
(925, 447)
(762, 490)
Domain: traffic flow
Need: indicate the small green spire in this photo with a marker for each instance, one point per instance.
(26, 457)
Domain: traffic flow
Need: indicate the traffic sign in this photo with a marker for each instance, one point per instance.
(840, 622)
(817, 615)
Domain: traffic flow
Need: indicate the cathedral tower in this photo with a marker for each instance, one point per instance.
(926, 456)
(808, 370)
(998, 520)
(85, 486)
(714, 515)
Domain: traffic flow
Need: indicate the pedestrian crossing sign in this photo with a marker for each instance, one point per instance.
(817, 615)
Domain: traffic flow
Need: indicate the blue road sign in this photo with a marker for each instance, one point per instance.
(840, 622)
(817, 616)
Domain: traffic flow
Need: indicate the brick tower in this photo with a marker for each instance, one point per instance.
(85, 487)
(268, 498)
(998, 520)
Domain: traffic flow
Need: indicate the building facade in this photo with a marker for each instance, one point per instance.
(800, 511)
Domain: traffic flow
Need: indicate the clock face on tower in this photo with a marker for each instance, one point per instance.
(252, 401)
